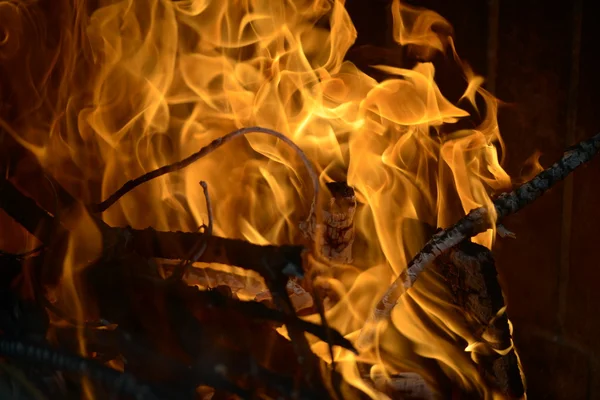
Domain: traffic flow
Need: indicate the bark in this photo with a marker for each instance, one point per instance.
(335, 234)
(406, 386)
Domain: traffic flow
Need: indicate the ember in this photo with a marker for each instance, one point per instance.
(221, 205)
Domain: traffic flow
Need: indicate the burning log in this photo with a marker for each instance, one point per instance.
(333, 238)
(285, 260)
(468, 272)
(471, 275)
(333, 235)
(477, 221)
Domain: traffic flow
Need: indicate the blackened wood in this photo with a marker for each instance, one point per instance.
(177, 245)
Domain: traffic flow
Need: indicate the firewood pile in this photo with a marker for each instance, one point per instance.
(155, 335)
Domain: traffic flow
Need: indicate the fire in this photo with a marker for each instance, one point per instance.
(146, 83)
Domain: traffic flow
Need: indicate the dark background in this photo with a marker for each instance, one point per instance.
(541, 59)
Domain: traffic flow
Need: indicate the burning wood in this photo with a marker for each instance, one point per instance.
(472, 278)
(335, 234)
(477, 221)
(468, 272)
(409, 386)
(130, 87)
(333, 238)
(152, 243)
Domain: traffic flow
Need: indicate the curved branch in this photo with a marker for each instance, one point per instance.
(212, 146)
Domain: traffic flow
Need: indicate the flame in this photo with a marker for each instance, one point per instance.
(531, 167)
(146, 83)
(84, 246)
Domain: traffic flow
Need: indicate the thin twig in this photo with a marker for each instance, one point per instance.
(212, 146)
(475, 222)
(198, 250)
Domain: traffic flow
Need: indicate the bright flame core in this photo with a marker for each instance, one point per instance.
(146, 83)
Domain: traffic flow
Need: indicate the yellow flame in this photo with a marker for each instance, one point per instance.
(531, 167)
(146, 83)
(84, 246)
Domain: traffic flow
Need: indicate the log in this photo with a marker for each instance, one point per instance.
(335, 235)
(334, 238)
(471, 276)
(468, 271)
(177, 245)
(207, 277)
(406, 386)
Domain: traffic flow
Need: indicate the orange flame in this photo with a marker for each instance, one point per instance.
(146, 83)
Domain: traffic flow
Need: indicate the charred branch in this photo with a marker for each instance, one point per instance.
(177, 245)
(201, 246)
(287, 260)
